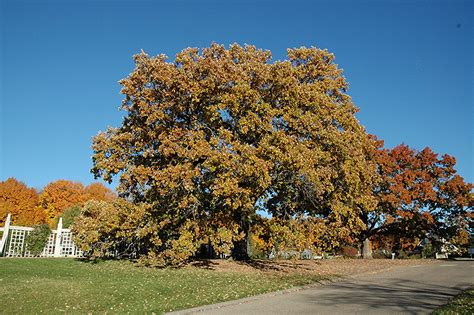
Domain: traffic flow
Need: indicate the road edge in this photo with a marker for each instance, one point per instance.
(335, 279)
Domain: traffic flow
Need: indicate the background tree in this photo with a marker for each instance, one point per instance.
(69, 216)
(419, 194)
(295, 238)
(60, 195)
(99, 192)
(217, 134)
(117, 226)
(22, 202)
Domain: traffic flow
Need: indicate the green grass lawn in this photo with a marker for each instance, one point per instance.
(67, 285)
(461, 304)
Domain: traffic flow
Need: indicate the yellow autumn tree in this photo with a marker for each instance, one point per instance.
(115, 226)
(217, 133)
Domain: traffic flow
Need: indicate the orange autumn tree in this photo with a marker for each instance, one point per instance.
(22, 202)
(63, 194)
(99, 192)
(419, 194)
(59, 195)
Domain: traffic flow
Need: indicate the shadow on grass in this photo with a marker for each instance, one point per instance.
(204, 264)
(278, 265)
(94, 261)
(256, 264)
(286, 266)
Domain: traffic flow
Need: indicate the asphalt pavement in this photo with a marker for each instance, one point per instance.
(415, 289)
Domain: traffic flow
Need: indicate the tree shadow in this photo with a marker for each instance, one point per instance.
(204, 264)
(277, 265)
(399, 295)
(98, 260)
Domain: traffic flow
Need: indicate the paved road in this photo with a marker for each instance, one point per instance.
(407, 290)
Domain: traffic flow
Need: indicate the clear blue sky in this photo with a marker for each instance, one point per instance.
(409, 64)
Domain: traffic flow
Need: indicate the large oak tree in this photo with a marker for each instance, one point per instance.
(218, 133)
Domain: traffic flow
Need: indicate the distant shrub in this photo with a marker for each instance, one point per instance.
(428, 250)
(36, 240)
(69, 215)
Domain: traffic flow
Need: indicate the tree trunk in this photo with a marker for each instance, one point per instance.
(367, 249)
(241, 248)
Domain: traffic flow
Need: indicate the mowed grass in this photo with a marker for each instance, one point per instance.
(461, 304)
(66, 285)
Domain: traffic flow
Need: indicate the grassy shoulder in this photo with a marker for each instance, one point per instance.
(461, 304)
(48, 285)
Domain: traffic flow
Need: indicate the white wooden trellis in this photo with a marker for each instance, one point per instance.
(60, 242)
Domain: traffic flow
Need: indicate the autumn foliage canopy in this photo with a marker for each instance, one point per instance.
(22, 202)
(419, 194)
(218, 136)
(28, 207)
(218, 133)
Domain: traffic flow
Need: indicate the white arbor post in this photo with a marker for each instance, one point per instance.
(3, 242)
(57, 245)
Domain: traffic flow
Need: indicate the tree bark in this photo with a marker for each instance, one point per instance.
(367, 249)
(241, 248)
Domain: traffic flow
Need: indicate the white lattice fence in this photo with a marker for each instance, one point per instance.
(60, 242)
(68, 248)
